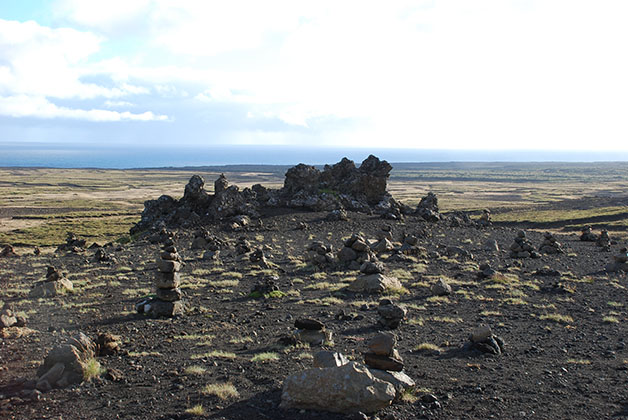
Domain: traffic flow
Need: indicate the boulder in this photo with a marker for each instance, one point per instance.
(399, 380)
(374, 283)
(383, 344)
(441, 288)
(350, 388)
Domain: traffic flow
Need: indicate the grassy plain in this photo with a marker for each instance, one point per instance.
(38, 206)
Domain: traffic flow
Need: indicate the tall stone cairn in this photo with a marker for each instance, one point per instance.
(167, 281)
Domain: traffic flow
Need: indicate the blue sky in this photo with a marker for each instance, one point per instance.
(455, 74)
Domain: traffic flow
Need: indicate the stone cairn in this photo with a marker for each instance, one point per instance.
(382, 353)
(372, 279)
(311, 331)
(54, 284)
(321, 255)
(522, 247)
(168, 301)
(7, 251)
(356, 251)
(604, 241)
(550, 245)
(486, 271)
(72, 244)
(483, 339)
(384, 240)
(66, 364)
(587, 235)
(10, 319)
(485, 218)
(619, 262)
(390, 314)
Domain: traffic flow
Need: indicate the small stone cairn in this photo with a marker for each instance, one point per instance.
(587, 235)
(485, 218)
(409, 245)
(7, 251)
(619, 262)
(372, 279)
(604, 241)
(486, 271)
(72, 244)
(65, 364)
(9, 319)
(321, 255)
(355, 251)
(390, 314)
(54, 284)
(483, 339)
(243, 246)
(168, 301)
(384, 240)
(382, 353)
(550, 245)
(522, 247)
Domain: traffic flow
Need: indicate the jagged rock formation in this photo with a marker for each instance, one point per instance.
(339, 187)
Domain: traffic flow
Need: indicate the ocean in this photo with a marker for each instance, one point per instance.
(130, 156)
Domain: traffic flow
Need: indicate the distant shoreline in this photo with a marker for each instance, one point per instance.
(70, 156)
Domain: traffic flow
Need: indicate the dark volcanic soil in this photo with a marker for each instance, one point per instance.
(553, 367)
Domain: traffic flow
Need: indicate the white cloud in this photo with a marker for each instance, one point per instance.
(39, 107)
(38, 63)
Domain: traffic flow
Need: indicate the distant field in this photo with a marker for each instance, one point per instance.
(38, 206)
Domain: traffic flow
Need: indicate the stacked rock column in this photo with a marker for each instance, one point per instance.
(169, 300)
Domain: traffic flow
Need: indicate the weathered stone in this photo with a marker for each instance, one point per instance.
(308, 324)
(372, 267)
(374, 283)
(167, 280)
(399, 380)
(166, 266)
(347, 254)
(7, 318)
(53, 375)
(390, 363)
(160, 308)
(384, 245)
(383, 344)
(169, 295)
(170, 256)
(481, 334)
(441, 288)
(390, 314)
(346, 389)
(326, 359)
(51, 288)
(73, 355)
(360, 246)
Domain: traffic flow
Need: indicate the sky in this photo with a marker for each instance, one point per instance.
(449, 74)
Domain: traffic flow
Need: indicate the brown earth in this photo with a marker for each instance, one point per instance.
(574, 366)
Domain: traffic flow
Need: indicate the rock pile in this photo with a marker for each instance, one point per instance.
(168, 301)
(320, 255)
(587, 235)
(9, 319)
(384, 240)
(620, 261)
(485, 218)
(550, 245)
(428, 208)
(72, 244)
(243, 246)
(372, 279)
(409, 245)
(265, 288)
(522, 247)
(54, 284)
(259, 258)
(104, 257)
(66, 364)
(338, 385)
(486, 271)
(355, 252)
(483, 339)
(390, 314)
(7, 251)
(604, 241)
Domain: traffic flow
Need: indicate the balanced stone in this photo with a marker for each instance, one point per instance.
(393, 362)
(167, 280)
(169, 295)
(383, 344)
(168, 266)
